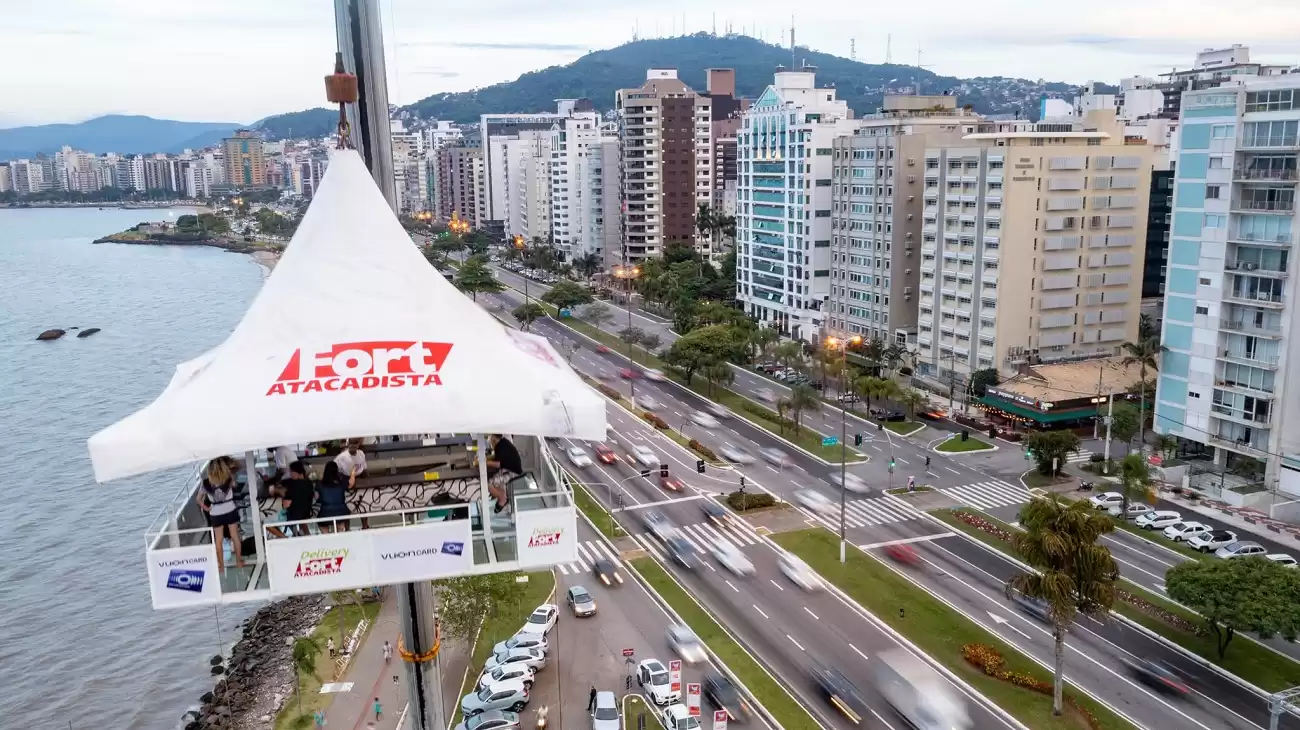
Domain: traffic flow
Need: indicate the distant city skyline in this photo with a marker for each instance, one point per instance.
(261, 59)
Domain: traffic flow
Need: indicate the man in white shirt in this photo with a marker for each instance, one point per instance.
(351, 457)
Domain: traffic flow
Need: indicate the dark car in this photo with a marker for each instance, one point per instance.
(1035, 607)
(841, 693)
(723, 695)
(1157, 675)
(681, 552)
(716, 513)
(888, 414)
(605, 454)
(672, 484)
(606, 572)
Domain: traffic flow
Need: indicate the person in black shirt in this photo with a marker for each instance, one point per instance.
(299, 493)
(504, 465)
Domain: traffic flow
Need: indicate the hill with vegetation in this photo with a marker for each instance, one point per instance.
(598, 74)
(306, 124)
(118, 133)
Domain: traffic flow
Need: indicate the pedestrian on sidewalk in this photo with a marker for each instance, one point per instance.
(379, 709)
(319, 717)
(329, 645)
(591, 699)
(388, 652)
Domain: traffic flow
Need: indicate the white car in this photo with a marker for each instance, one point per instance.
(605, 716)
(1185, 530)
(766, 395)
(1135, 509)
(678, 717)
(535, 658)
(507, 672)
(523, 641)
(645, 455)
(578, 457)
(704, 420)
(686, 644)
(815, 502)
(736, 454)
(541, 621)
(1208, 542)
(1282, 559)
(718, 410)
(1106, 500)
(655, 375)
(799, 573)
(852, 483)
(775, 457)
(652, 677)
(648, 403)
(730, 557)
(1243, 549)
(1158, 519)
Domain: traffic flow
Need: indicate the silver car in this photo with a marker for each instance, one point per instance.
(581, 602)
(507, 672)
(521, 641)
(535, 658)
(605, 716)
(491, 720)
(511, 695)
(686, 644)
(736, 454)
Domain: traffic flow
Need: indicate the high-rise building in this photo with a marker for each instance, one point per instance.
(458, 183)
(599, 185)
(244, 163)
(410, 180)
(726, 110)
(495, 130)
(878, 202)
(1031, 248)
(528, 185)
(667, 162)
(6, 178)
(783, 221)
(1230, 304)
(28, 177)
(570, 141)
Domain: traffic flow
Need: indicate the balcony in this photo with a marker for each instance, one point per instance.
(1240, 416)
(1267, 300)
(1281, 239)
(1286, 207)
(1264, 174)
(1243, 388)
(1265, 362)
(1253, 268)
(415, 515)
(1273, 331)
(1243, 446)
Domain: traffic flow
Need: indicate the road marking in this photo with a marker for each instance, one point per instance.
(778, 585)
(792, 641)
(877, 448)
(663, 502)
(859, 651)
(901, 460)
(1003, 622)
(760, 612)
(810, 613)
(731, 586)
(905, 541)
(954, 471)
(1161, 587)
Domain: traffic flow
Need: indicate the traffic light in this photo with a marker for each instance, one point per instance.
(965, 434)
(699, 465)
(645, 473)
(857, 439)
(1029, 454)
(891, 465)
(742, 481)
(663, 471)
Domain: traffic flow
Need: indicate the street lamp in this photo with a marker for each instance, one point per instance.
(520, 245)
(842, 345)
(628, 274)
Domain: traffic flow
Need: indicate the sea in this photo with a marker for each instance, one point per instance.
(80, 645)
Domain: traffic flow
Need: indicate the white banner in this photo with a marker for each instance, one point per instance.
(719, 720)
(319, 563)
(693, 699)
(184, 576)
(675, 675)
(426, 551)
(547, 536)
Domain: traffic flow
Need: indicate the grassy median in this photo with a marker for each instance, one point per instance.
(954, 445)
(541, 584)
(773, 696)
(596, 513)
(941, 632)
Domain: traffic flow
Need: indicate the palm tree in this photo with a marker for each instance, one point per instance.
(1073, 574)
(717, 372)
(587, 265)
(801, 398)
(305, 652)
(704, 221)
(1144, 353)
(1135, 481)
(892, 357)
(762, 339)
(789, 354)
(911, 399)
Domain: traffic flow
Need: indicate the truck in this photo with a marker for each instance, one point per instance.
(918, 693)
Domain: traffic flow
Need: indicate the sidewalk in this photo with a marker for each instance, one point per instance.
(1239, 518)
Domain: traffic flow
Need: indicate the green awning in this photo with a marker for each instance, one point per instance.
(1032, 414)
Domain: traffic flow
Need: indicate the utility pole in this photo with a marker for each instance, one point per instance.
(361, 43)
(843, 451)
(1096, 422)
(1110, 418)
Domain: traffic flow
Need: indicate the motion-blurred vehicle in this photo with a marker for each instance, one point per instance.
(766, 395)
(1185, 530)
(887, 414)
(655, 375)
(722, 694)
(648, 403)
(704, 420)
(1156, 675)
(775, 457)
(1158, 519)
(735, 454)
(717, 410)
(580, 601)
(645, 455)
(686, 644)
(681, 551)
(578, 457)
(605, 454)
(815, 502)
(917, 692)
(716, 513)
(730, 557)
(905, 554)
(629, 374)
(602, 348)
(671, 483)
(799, 573)
(1035, 607)
(852, 483)
(606, 572)
(657, 524)
(841, 693)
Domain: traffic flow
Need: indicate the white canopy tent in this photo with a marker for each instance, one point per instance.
(353, 334)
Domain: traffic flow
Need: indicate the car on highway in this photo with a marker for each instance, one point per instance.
(1158, 519)
(716, 513)
(510, 695)
(775, 457)
(681, 552)
(535, 658)
(1208, 542)
(605, 714)
(1156, 675)
(848, 398)
(522, 641)
(1106, 500)
(678, 717)
(800, 573)
(717, 410)
(606, 572)
(602, 348)
(704, 420)
(654, 375)
(491, 720)
(1282, 559)
(652, 678)
(605, 454)
(887, 414)
(852, 483)
(815, 502)
(648, 403)
(721, 692)
(671, 483)
(1242, 549)
(645, 455)
(580, 601)
(735, 454)
(606, 375)
(686, 644)
(730, 557)
(578, 457)
(1135, 510)
(629, 374)
(841, 693)
(766, 395)
(1185, 530)
(1035, 607)
(507, 672)
(657, 524)
(542, 620)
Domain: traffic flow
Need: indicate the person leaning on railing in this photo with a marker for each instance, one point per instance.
(332, 492)
(503, 465)
(216, 497)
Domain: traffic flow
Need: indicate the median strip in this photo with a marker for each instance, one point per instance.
(949, 637)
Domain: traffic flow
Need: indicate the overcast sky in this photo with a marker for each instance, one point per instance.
(241, 60)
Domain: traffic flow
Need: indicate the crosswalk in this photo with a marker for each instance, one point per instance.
(871, 512)
(1079, 457)
(986, 495)
(589, 552)
(702, 536)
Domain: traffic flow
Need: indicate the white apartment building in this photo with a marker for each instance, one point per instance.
(598, 181)
(6, 178)
(495, 133)
(411, 180)
(439, 132)
(570, 141)
(28, 177)
(783, 219)
(527, 181)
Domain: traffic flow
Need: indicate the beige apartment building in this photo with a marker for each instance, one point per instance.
(244, 162)
(1032, 246)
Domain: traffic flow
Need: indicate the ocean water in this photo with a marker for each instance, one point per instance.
(80, 643)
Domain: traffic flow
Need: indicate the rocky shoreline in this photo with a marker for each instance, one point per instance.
(264, 256)
(255, 679)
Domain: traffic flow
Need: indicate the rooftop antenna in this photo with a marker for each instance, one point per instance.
(715, 25)
(853, 49)
(636, 30)
(793, 65)
(889, 48)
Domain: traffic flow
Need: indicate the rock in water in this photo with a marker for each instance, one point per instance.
(88, 332)
(51, 334)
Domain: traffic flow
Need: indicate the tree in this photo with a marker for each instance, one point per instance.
(802, 398)
(597, 313)
(911, 399)
(567, 295)
(1073, 574)
(305, 652)
(874, 350)
(717, 372)
(527, 313)
(1049, 446)
(1144, 353)
(878, 388)
(631, 335)
(790, 354)
(474, 276)
(1243, 594)
(702, 347)
(466, 602)
(1147, 327)
(762, 340)
(650, 341)
(981, 380)
(1125, 421)
(587, 265)
(1134, 480)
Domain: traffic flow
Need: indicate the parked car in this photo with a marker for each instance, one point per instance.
(1158, 519)
(1181, 531)
(678, 717)
(1208, 542)
(605, 714)
(848, 398)
(1135, 509)
(535, 658)
(1282, 559)
(686, 644)
(491, 720)
(578, 456)
(522, 641)
(507, 672)
(542, 620)
(580, 601)
(511, 695)
(1106, 500)
(1243, 549)
(652, 678)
